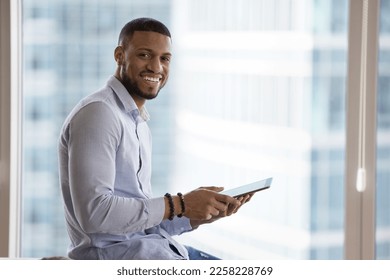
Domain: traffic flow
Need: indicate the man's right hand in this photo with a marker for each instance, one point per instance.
(206, 202)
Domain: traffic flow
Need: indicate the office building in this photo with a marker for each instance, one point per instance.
(257, 89)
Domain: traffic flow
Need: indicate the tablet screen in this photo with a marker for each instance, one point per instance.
(249, 188)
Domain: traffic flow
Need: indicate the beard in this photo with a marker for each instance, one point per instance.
(133, 88)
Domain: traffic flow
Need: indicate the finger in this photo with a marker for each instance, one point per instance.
(227, 199)
(214, 210)
(213, 188)
(245, 199)
(231, 210)
(220, 206)
(250, 196)
(234, 208)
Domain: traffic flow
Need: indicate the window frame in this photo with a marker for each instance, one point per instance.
(10, 127)
(361, 131)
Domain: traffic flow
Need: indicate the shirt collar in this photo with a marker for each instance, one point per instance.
(128, 102)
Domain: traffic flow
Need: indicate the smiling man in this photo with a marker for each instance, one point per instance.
(105, 163)
(143, 62)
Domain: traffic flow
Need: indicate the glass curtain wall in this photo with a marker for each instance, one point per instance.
(383, 137)
(260, 91)
(68, 54)
(257, 89)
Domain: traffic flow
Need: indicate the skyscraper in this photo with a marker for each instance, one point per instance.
(257, 89)
(68, 53)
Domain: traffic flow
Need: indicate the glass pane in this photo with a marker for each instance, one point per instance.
(68, 54)
(260, 90)
(383, 137)
(257, 89)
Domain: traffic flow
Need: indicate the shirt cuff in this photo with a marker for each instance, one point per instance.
(156, 209)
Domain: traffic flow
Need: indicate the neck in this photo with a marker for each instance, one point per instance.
(139, 101)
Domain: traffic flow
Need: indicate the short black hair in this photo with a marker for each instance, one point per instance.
(141, 24)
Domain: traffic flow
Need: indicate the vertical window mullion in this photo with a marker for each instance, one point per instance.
(361, 129)
(10, 142)
(4, 125)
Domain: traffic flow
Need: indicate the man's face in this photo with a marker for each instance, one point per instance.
(144, 64)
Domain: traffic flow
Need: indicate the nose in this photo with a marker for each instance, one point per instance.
(155, 65)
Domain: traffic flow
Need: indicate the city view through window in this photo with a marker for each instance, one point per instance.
(257, 89)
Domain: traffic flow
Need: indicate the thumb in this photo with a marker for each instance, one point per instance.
(213, 188)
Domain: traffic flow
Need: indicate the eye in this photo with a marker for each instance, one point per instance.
(144, 55)
(166, 58)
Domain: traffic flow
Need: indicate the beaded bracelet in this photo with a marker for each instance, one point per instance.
(171, 206)
(183, 207)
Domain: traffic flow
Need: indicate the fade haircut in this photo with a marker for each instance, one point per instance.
(141, 24)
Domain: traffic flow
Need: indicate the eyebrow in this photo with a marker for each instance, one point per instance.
(152, 51)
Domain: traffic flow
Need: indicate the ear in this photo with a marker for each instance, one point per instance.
(119, 55)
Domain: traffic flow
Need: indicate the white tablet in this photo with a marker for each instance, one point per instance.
(249, 188)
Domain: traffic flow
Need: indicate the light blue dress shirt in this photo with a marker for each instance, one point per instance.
(105, 170)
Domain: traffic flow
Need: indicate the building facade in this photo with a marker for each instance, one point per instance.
(257, 89)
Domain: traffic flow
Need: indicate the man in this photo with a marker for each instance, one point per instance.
(105, 163)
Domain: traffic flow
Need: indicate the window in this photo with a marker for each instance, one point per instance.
(259, 95)
(257, 89)
(246, 100)
(68, 54)
(383, 138)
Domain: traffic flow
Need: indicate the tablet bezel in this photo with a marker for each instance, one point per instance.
(249, 188)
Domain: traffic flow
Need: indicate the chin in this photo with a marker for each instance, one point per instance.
(145, 95)
(150, 96)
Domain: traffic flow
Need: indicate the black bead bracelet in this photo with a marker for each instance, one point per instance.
(183, 207)
(171, 206)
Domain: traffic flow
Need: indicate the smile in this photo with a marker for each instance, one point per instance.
(151, 79)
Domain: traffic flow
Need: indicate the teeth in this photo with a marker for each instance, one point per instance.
(151, 79)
